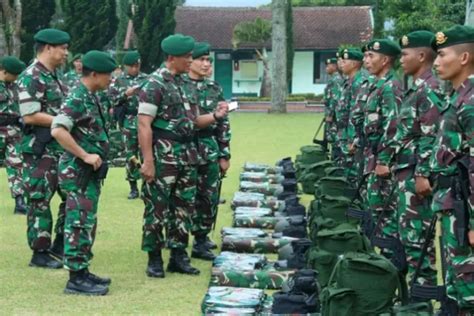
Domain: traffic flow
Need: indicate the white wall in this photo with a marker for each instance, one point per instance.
(303, 66)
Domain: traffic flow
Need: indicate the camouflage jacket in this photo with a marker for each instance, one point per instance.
(349, 99)
(455, 140)
(417, 125)
(9, 107)
(82, 116)
(71, 79)
(331, 94)
(213, 143)
(380, 116)
(40, 90)
(118, 97)
(356, 117)
(166, 98)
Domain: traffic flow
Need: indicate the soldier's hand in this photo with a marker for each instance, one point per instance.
(422, 186)
(328, 119)
(470, 236)
(224, 164)
(222, 109)
(148, 171)
(131, 91)
(382, 171)
(352, 149)
(94, 160)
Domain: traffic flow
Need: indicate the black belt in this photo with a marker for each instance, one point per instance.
(159, 133)
(206, 133)
(6, 121)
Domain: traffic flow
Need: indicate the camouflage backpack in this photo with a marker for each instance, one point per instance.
(228, 300)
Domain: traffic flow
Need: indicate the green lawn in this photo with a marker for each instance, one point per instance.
(24, 290)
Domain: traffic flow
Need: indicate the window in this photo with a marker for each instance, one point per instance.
(316, 67)
(248, 69)
(319, 72)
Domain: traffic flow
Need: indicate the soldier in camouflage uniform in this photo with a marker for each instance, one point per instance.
(41, 95)
(167, 121)
(80, 128)
(455, 143)
(214, 151)
(72, 78)
(123, 92)
(10, 130)
(413, 143)
(379, 127)
(331, 91)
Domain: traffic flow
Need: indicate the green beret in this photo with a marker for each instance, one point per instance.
(385, 46)
(99, 61)
(131, 58)
(339, 52)
(52, 37)
(416, 39)
(458, 34)
(12, 65)
(366, 47)
(177, 45)
(201, 49)
(76, 57)
(352, 54)
(331, 61)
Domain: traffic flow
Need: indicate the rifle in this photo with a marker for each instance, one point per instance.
(461, 206)
(221, 178)
(324, 141)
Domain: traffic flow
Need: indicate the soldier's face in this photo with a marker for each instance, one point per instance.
(58, 53)
(209, 72)
(78, 65)
(375, 63)
(330, 69)
(366, 56)
(448, 63)
(409, 60)
(181, 64)
(200, 66)
(133, 70)
(7, 77)
(103, 80)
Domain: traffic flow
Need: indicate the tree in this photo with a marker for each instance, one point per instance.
(279, 58)
(257, 33)
(153, 21)
(92, 25)
(290, 49)
(10, 27)
(37, 15)
(123, 12)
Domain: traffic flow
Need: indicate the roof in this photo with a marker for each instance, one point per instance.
(313, 27)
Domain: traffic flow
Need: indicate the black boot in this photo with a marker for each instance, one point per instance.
(79, 283)
(210, 244)
(180, 262)
(200, 249)
(97, 279)
(57, 249)
(133, 190)
(43, 259)
(20, 207)
(155, 265)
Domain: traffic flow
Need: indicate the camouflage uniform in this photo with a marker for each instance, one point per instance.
(81, 115)
(454, 141)
(413, 143)
(331, 95)
(130, 137)
(10, 136)
(72, 79)
(380, 126)
(41, 91)
(169, 199)
(213, 144)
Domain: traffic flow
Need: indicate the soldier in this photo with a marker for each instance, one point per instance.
(80, 128)
(10, 129)
(73, 76)
(214, 152)
(330, 100)
(123, 93)
(41, 95)
(167, 119)
(454, 145)
(379, 127)
(413, 143)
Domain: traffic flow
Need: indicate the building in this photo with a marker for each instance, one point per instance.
(318, 32)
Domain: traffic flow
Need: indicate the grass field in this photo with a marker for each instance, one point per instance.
(30, 291)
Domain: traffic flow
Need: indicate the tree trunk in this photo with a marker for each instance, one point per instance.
(11, 28)
(278, 82)
(3, 37)
(265, 88)
(16, 32)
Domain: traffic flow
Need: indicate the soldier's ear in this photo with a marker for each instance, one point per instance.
(466, 58)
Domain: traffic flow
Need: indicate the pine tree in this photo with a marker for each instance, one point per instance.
(91, 24)
(153, 21)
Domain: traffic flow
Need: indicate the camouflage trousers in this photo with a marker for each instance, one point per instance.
(81, 215)
(383, 203)
(459, 264)
(169, 202)
(207, 198)
(414, 215)
(40, 178)
(130, 140)
(10, 153)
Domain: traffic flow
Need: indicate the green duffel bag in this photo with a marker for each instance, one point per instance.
(415, 309)
(317, 223)
(322, 261)
(334, 186)
(342, 238)
(312, 154)
(370, 282)
(334, 207)
(307, 181)
(335, 171)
